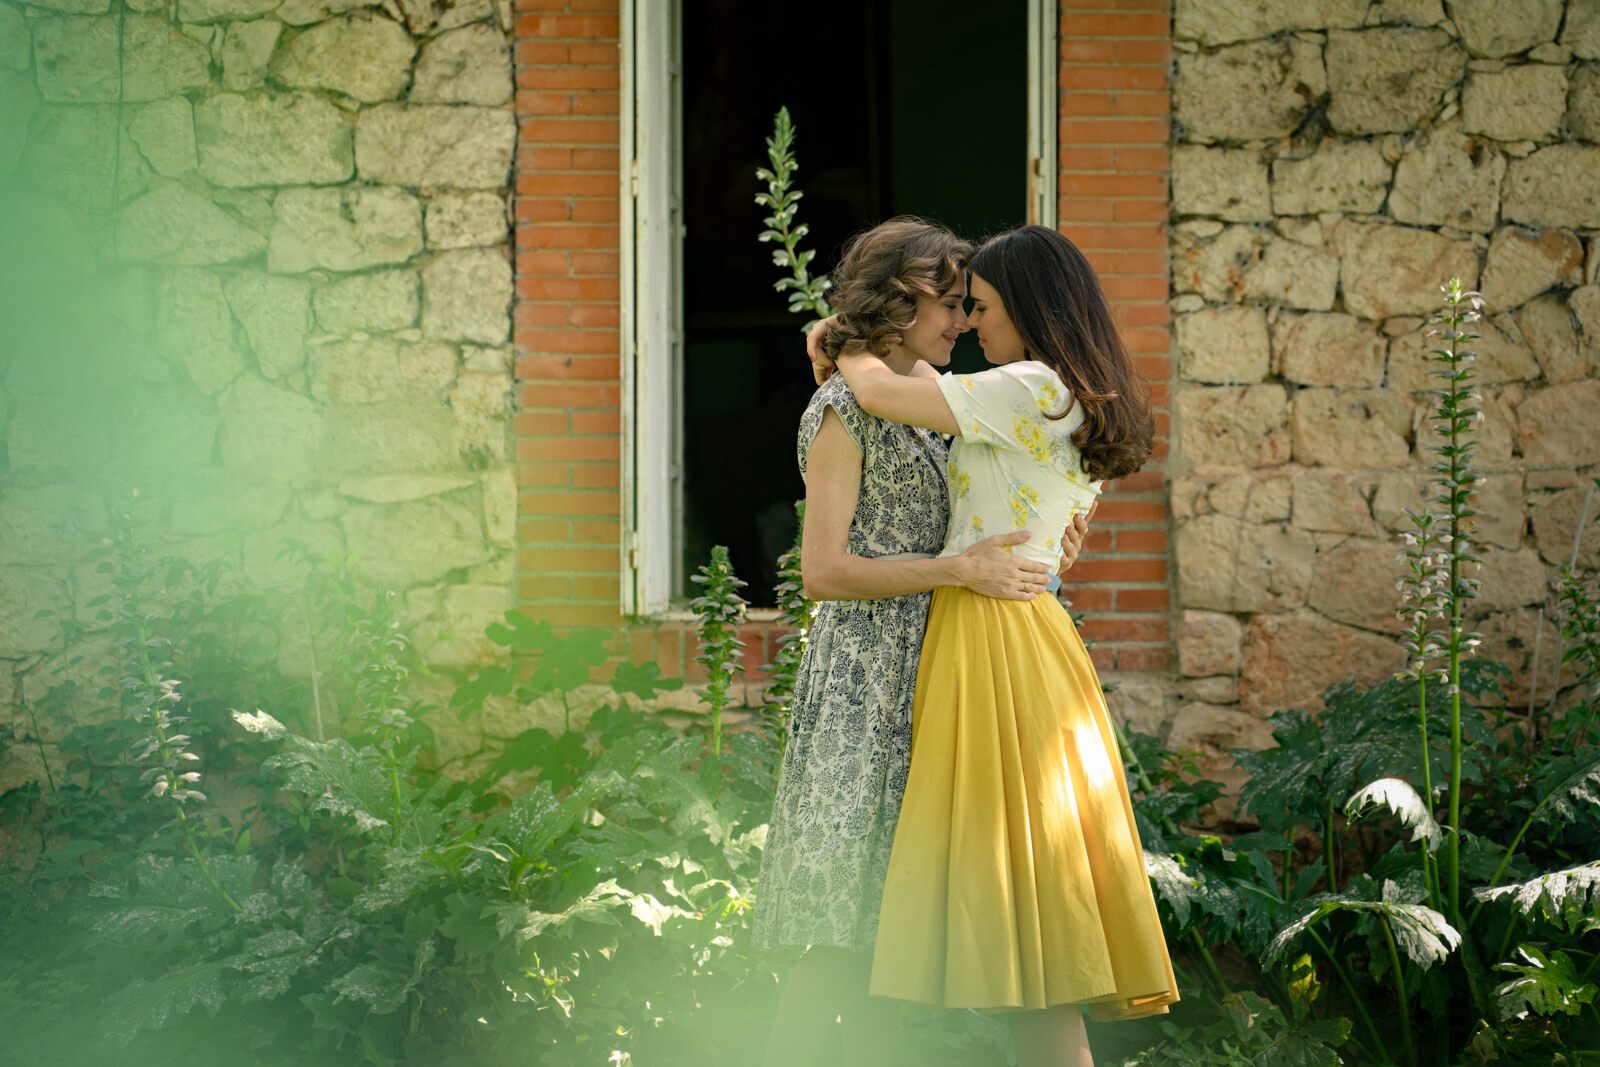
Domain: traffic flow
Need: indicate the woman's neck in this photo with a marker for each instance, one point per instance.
(899, 359)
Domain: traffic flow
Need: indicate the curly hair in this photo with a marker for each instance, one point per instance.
(1054, 299)
(884, 269)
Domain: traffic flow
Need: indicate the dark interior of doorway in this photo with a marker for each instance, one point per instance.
(901, 106)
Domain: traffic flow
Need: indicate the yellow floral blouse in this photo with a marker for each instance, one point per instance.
(1013, 468)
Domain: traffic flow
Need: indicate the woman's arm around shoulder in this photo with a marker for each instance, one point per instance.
(829, 571)
(907, 398)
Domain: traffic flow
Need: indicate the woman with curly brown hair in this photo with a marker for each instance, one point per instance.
(1017, 876)
(875, 523)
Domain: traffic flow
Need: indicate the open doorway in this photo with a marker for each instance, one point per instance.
(901, 106)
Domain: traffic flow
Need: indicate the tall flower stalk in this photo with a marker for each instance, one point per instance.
(1455, 480)
(150, 697)
(1424, 600)
(720, 609)
(795, 613)
(783, 199)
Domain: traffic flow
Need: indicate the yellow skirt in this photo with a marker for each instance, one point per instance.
(1017, 877)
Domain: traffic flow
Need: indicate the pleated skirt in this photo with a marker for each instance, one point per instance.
(1017, 878)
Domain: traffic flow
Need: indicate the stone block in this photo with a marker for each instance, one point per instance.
(16, 41)
(1289, 660)
(1245, 92)
(1227, 183)
(1353, 582)
(468, 296)
(1351, 428)
(164, 132)
(1227, 565)
(246, 52)
(269, 431)
(1524, 263)
(1555, 186)
(48, 525)
(204, 11)
(84, 158)
(1332, 501)
(276, 315)
(1213, 22)
(380, 368)
(364, 56)
(1583, 102)
(467, 220)
(1582, 30)
(1556, 517)
(21, 633)
(471, 65)
(1547, 326)
(1233, 426)
(1242, 263)
(1492, 28)
(1501, 357)
(77, 62)
(377, 302)
(1397, 270)
(407, 544)
(413, 434)
(1554, 427)
(172, 225)
(1212, 732)
(195, 328)
(433, 146)
(1521, 103)
(452, 631)
(1223, 345)
(1327, 348)
(294, 139)
(1389, 80)
(343, 229)
(1447, 179)
(1208, 643)
(18, 102)
(1350, 176)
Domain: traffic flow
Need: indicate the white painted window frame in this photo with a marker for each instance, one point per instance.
(652, 305)
(652, 270)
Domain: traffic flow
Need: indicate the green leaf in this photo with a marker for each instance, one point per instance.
(643, 680)
(1179, 889)
(1566, 897)
(153, 1005)
(1423, 935)
(341, 778)
(1545, 985)
(1570, 782)
(1400, 798)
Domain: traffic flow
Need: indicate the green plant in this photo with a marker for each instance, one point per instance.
(795, 614)
(720, 609)
(805, 292)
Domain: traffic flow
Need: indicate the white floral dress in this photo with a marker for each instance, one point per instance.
(849, 744)
(1014, 467)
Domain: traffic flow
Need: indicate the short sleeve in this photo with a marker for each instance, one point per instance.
(834, 393)
(999, 406)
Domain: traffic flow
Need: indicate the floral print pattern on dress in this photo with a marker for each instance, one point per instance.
(849, 746)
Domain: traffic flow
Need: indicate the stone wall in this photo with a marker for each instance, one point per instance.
(1333, 163)
(270, 287)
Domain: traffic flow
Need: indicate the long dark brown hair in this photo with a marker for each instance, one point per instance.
(883, 269)
(1055, 301)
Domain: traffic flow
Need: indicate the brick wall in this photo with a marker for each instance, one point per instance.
(1113, 170)
(565, 327)
(1113, 203)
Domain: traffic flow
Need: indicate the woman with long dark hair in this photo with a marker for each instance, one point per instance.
(1017, 878)
(875, 524)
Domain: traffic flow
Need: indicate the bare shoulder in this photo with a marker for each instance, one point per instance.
(923, 370)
